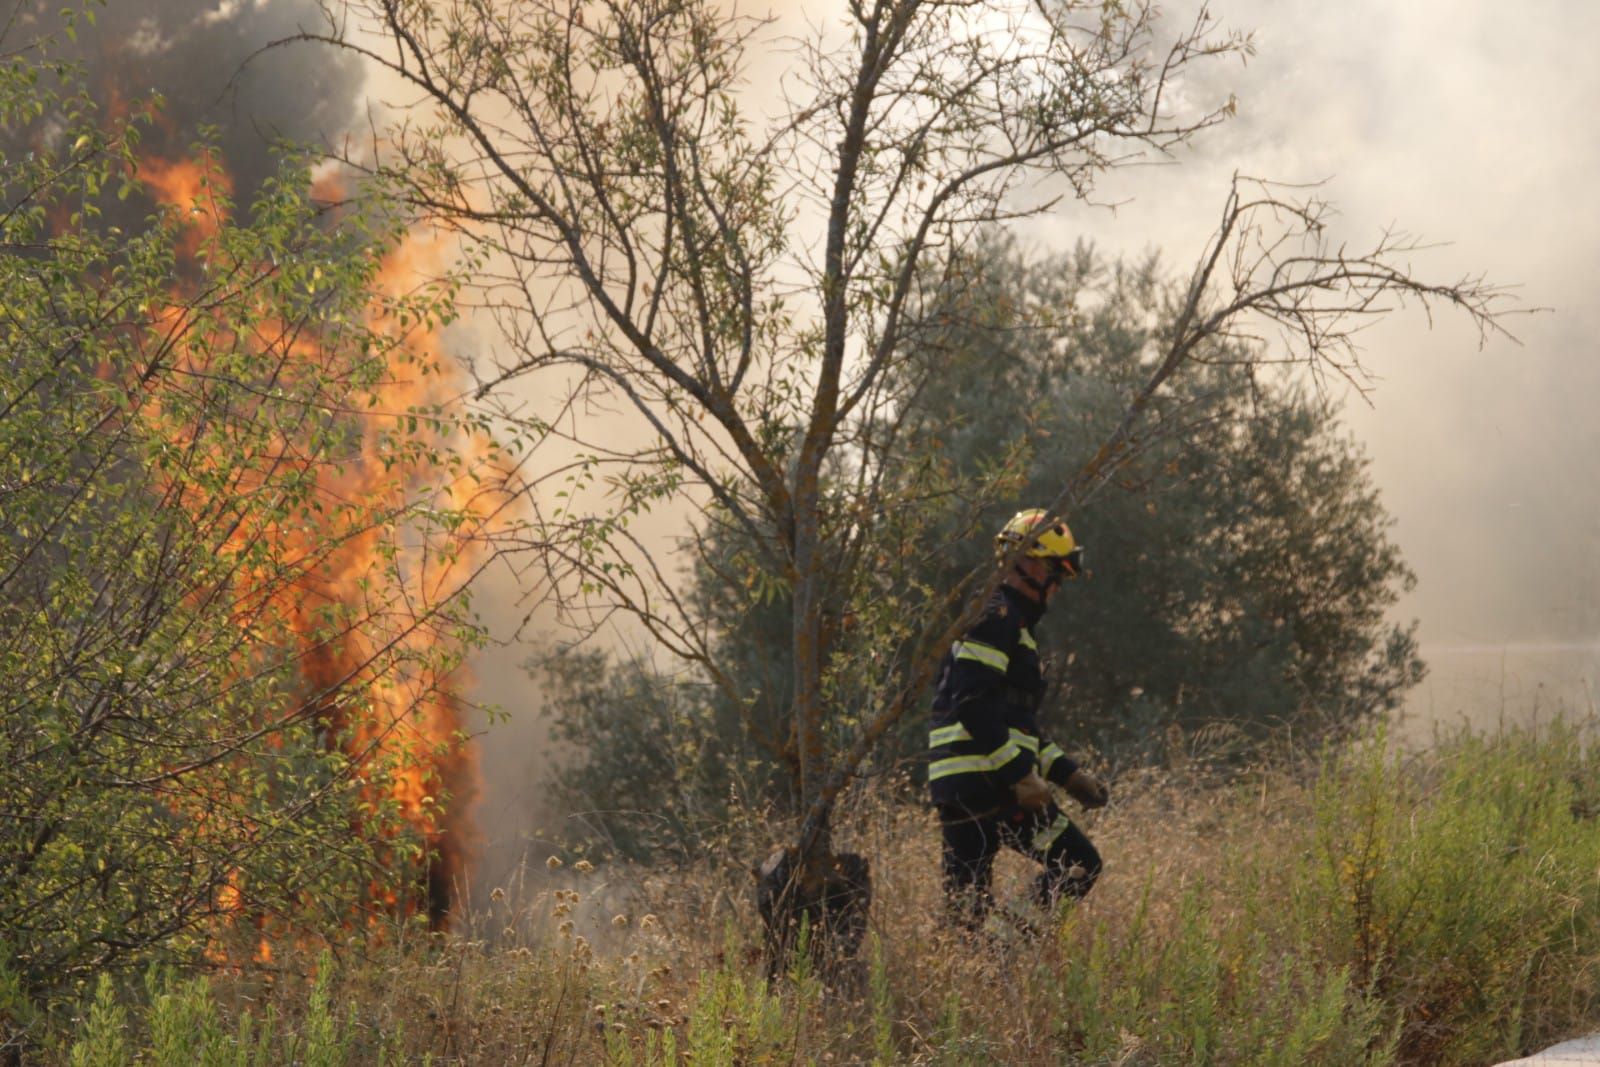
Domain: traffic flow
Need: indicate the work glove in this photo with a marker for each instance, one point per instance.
(1032, 792)
(1087, 790)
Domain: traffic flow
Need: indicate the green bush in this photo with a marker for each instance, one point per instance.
(183, 1021)
(1464, 890)
(1438, 908)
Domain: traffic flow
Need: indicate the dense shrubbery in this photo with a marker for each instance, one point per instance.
(1375, 908)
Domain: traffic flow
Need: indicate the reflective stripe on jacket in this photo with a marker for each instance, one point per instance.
(984, 735)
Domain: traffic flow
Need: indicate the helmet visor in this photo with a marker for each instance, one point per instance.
(1070, 565)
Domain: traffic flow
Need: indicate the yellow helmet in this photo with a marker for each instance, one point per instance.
(1054, 543)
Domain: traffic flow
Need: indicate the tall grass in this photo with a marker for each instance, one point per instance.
(1377, 907)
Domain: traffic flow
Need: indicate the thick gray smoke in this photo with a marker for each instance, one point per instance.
(194, 55)
(1467, 124)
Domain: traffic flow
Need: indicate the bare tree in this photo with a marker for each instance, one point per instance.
(747, 290)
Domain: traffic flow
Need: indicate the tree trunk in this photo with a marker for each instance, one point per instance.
(805, 892)
(817, 905)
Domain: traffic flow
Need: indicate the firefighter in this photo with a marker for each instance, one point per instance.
(989, 766)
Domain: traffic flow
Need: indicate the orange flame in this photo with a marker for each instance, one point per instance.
(188, 186)
(421, 723)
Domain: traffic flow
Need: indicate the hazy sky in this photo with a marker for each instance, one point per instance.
(1469, 124)
(1461, 123)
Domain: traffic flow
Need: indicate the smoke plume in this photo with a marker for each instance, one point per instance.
(201, 60)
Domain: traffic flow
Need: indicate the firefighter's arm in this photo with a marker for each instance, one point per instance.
(1063, 770)
(1087, 790)
(982, 658)
(1054, 764)
(985, 721)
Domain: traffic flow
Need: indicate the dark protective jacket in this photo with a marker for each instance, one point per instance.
(985, 732)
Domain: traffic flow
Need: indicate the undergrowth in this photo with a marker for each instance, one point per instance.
(1376, 908)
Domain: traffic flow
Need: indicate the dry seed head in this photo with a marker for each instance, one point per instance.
(498, 894)
(553, 862)
(619, 921)
(583, 866)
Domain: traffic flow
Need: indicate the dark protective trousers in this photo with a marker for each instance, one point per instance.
(972, 839)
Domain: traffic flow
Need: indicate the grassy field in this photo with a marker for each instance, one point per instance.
(1440, 907)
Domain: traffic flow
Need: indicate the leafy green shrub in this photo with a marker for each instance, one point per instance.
(104, 1042)
(173, 1020)
(1464, 890)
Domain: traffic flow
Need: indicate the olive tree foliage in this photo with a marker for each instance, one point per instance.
(1239, 565)
(651, 244)
(193, 748)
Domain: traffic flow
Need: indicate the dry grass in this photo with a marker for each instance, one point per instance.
(1429, 910)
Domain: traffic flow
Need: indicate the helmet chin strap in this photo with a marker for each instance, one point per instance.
(1033, 583)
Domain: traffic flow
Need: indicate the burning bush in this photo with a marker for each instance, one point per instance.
(240, 518)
